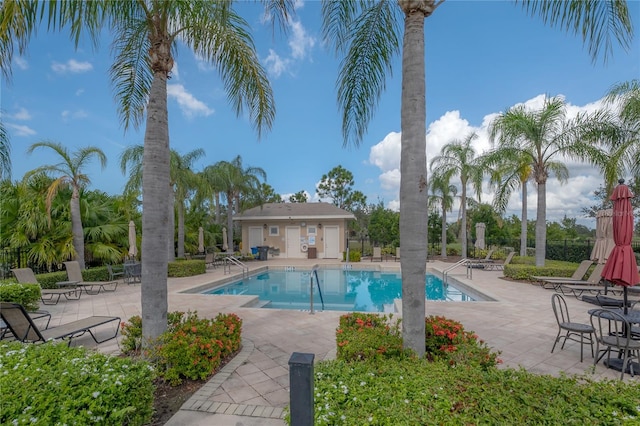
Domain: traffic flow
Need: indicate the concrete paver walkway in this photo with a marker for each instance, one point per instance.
(253, 389)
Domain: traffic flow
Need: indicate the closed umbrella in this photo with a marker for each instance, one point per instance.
(225, 246)
(480, 228)
(621, 268)
(133, 248)
(200, 240)
(604, 236)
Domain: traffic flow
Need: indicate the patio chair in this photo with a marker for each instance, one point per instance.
(594, 279)
(578, 274)
(133, 272)
(115, 274)
(5, 333)
(49, 296)
(377, 254)
(25, 330)
(613, 332)
(75, 274)
(571, 330)
(481, 263)
(494, 266)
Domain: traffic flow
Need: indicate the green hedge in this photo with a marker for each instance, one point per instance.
(27, 295)
(52, 384)
(186, 268)
(552, 268)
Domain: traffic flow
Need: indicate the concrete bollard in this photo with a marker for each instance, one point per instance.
(301, 389)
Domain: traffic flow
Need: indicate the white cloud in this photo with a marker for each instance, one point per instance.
(568, 198)
(190, 106)
(21, 130)
(21, 63)
(73, 115)
(79, 92)
(300, 43)
(275, 64)
(21, 115)
(71, 66)
(175, 73)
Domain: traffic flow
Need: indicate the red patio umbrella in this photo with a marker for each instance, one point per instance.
(621, 268)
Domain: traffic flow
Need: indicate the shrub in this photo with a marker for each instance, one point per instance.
(413, 391)
(452, 251)
(553, 268)
(51, 279)
(447, 339)
(27, 295)
(363, 336)
(54, 384)
(354, 255)
(191, 347)
(186, 268)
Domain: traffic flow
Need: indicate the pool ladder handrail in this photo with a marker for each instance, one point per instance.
(231, 261)
(460, 262)
(314, 271)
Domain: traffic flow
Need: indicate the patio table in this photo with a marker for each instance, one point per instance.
(633, 317)
(133, 272)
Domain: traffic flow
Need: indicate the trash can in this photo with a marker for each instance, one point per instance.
(263, 251)
(254, 251)
(312, 253)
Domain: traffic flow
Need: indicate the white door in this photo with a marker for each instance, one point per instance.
(255, 237)
(293, 243)
(331, 242)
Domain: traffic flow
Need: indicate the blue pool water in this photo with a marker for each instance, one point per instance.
(342, 290)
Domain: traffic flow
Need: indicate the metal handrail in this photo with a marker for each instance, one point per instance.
(460, 262)
(314, 271)
(230, 261)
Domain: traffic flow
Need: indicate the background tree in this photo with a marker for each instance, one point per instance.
(442, 195)
(265, 193)
(458, 158)
(337, 185)
(184, 182)
(545, 137)
(5, 152)
(299, 197)
(384, 225)
(69, 173)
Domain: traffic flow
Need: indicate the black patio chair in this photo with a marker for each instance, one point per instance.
(578, 332)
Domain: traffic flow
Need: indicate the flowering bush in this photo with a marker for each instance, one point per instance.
(191, 347)
(447, 339)
(363, 336)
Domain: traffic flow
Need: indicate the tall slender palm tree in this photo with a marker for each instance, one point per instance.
(70, 173)
(509, 171)
(442, 192)
(544, 137)
(233, 179)
(146, 35)
(458, 158)
(367, 34)
(5, 152)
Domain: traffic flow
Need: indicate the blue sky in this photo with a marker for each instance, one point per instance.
(482, 57)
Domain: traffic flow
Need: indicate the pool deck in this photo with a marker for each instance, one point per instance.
(253, 389)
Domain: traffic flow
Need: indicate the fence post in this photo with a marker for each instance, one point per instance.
(301, 389)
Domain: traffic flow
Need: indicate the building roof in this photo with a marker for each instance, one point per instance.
(285, 211)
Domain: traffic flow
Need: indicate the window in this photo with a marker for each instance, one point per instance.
(311, 230)
(274, 231)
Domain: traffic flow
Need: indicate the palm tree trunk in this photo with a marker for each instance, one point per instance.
(541, 224)
(171, 225)
(443, 238)
(413, 184)
(230, 247)
(217, 203)
(76, 227)
(155, 221)
(523, 225)
(180, 229)
(463, 222)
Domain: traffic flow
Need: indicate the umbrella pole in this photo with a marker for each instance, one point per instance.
(624, 301)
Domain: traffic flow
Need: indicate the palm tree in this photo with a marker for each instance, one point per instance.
(367, 34)
(509, 171)
(625, 143)
(5, 152)
(540, 137)
(146, 35)
(458, 158)
(233, 179)
(442, 192)
(70, 173)
(183, 182)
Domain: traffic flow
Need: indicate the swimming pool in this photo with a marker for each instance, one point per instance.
(341, 290)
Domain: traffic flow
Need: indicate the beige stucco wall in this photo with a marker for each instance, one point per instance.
(279, 241)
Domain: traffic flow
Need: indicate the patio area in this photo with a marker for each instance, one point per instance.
(253, 388)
